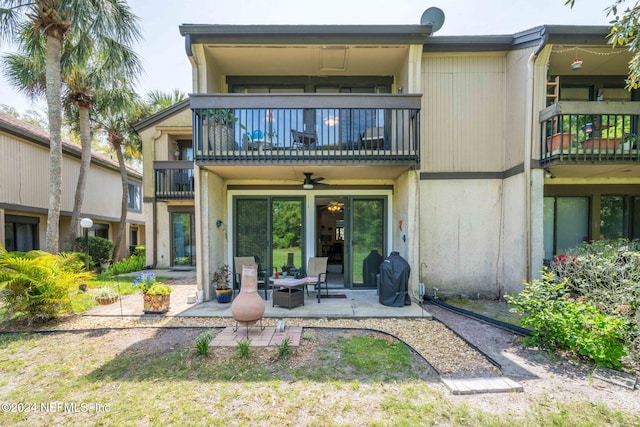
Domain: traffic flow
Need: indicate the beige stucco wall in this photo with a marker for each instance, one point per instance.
(463, 116)
(514, 239)
(460, 236)
(405, 225)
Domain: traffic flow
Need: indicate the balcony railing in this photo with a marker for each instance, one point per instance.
(590, 132)
(367, 128)
(173, 180)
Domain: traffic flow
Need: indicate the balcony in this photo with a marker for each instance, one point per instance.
(590, 132)
(173, 180)
(270, 129)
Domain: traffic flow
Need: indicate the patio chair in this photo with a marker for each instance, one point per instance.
(238, 262)
(303, 140)
(317, 275)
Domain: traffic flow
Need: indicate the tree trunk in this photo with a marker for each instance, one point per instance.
(53, 80)
(85, 161)
(124, 204)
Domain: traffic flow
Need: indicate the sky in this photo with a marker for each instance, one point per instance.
(167, 67)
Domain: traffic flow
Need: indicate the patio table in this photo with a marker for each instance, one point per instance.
(287, 292)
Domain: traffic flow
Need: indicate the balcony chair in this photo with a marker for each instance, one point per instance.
(317, 275)
(373, 138)
(182, 182)
(303, 140)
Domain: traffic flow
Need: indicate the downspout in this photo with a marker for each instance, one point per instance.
(528, 148)
(155, 203)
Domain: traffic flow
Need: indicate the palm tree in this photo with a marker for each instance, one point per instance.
(117, 108)
(158, 100)
(84, 71)
(55, 19)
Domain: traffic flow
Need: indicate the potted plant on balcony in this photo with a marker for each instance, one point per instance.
(221, 122)
(221, 282)
(156, 295)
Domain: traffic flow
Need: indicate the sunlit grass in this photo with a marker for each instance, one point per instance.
(144, 383)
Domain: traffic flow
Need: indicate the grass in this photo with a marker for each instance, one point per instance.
(149, 377)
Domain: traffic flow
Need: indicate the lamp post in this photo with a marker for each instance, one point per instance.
(86, 224)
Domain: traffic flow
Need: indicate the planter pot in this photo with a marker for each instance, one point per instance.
(220, 138)
(156, 303)
(106, 300)
(223, 296)
(603, 144)
(558, 141)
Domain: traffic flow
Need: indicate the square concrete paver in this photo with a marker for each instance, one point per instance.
(258, 337)
(481, 385)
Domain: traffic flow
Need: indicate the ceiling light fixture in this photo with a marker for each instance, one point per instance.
(577, 63)
(334, 206)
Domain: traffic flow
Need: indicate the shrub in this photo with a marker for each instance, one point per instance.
(560, 322)
(126, 265)
(607, 272)
(39, 285)
(100, 249)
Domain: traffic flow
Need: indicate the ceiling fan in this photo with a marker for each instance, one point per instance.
(309, 182)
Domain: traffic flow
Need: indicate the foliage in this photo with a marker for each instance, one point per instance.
(105, 292)
(284, 349)
(39, 285)
(159, 289)
(157, 100)
(145, 281)
(625, 27)
(202, 344)
(222, 116)
(243, 348)
(607, 272)
(287, 217)
(560, 322)
(100, 249)
(221, 277)
(127, 265)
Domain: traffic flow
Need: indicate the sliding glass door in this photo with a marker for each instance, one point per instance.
(366, 232)
(271, 230)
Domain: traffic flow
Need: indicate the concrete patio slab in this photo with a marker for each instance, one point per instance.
(357, 304)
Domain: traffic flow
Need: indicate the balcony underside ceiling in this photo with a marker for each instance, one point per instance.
(294, 174)
(589, 170)
(306, 60)
(596, 60)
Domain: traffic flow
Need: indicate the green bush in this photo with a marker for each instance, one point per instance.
(100, 249)
(607, 273)
(38, 285)
(560, 322)
(126, 265)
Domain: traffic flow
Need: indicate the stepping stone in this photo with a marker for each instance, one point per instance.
(481, 385)
(618, 378)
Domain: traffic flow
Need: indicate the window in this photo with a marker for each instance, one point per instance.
(21, 233)
(566, 224)
(619, 217)
(135, 198)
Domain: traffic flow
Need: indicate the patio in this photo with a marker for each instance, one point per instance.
(356, 304)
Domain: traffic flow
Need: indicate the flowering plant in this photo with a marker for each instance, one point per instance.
(147, 280)
(221, 277)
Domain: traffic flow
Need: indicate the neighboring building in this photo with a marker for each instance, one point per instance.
(435, 147)
(24, 193)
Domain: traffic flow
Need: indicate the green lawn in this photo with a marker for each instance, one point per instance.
(154, 377)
